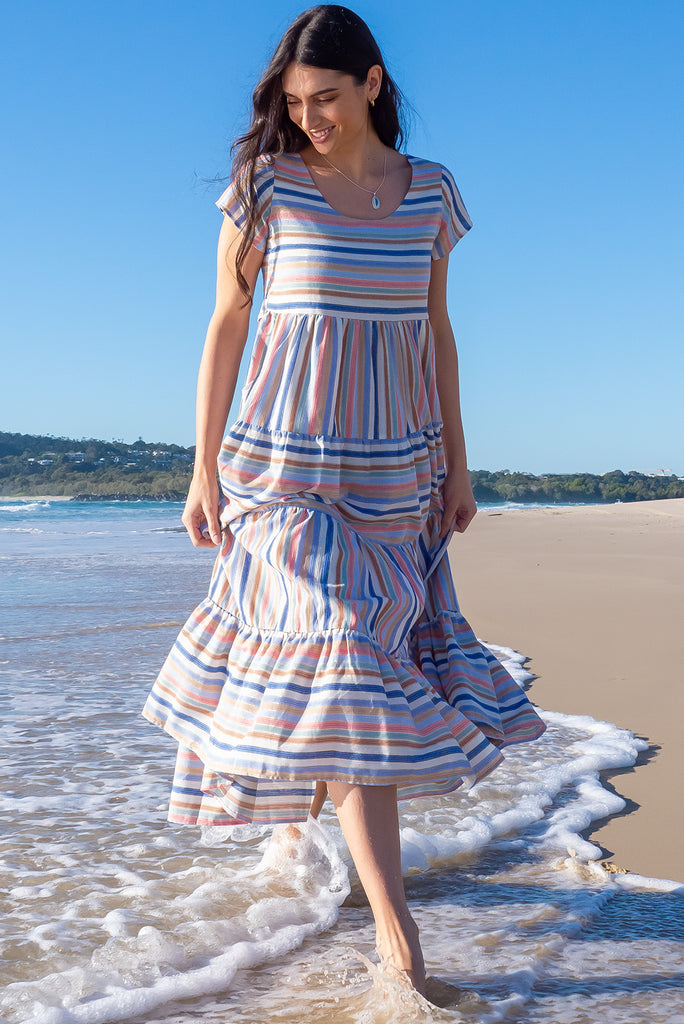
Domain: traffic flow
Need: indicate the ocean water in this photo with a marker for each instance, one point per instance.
(108, 913)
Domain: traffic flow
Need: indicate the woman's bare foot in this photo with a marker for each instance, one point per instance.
(402, 955)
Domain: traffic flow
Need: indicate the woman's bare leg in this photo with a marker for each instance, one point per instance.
(370, 823)
(318, 799)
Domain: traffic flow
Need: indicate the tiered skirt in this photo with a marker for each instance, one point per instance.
(331, 645)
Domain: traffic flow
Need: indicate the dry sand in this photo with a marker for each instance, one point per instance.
(594, 596)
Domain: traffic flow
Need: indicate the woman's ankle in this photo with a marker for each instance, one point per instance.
(399, 950)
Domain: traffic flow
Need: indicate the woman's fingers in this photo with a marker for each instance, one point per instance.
(200, 534)
(457, 518)
(212, 527)
(463, 517)
(201, 520)
(460, 506)
(193, 523)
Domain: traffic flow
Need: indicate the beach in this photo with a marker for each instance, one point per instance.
(594, 596)
(111, 914)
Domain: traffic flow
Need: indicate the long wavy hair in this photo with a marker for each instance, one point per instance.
(329, 37)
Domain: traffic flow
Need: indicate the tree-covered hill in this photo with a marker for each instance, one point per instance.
(565, 488)
(33, 464)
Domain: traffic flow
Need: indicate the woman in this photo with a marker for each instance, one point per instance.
(331, 649)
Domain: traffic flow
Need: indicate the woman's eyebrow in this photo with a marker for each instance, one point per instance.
(332, 88)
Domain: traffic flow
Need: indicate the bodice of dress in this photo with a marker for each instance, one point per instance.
(340, 405)
(319, 260)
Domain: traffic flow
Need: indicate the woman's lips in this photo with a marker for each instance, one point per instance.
(322, 135)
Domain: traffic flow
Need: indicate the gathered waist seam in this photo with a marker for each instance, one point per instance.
(402, 316)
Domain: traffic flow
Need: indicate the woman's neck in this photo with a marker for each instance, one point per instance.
(363, 161)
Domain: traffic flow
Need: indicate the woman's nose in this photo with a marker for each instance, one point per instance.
(306, 119)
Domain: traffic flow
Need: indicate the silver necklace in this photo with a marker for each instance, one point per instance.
(375, 200)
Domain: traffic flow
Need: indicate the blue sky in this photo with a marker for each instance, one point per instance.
(561, 122)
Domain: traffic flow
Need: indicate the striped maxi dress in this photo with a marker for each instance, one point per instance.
(331, 645)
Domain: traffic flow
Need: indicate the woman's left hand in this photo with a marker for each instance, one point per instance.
(459, 503)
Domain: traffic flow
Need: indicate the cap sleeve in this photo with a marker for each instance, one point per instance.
(230, 204)
(454, 221)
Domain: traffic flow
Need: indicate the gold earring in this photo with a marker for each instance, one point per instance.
(372, 103)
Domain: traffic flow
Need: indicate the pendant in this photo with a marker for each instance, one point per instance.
(375, 203)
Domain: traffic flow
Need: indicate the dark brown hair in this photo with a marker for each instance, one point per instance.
(329, 37)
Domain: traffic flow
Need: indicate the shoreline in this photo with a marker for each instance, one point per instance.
(593, 596)
(174, 496)
(29, 498)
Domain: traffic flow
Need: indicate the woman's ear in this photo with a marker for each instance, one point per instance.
(374, 81)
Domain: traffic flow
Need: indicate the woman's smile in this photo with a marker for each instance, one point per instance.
(320, 134)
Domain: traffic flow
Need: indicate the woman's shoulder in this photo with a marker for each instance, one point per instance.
(264, 173)
(263, 167)
(263, 170)
(430, 169)
(441, 192)
(237, 196)
(290, 165)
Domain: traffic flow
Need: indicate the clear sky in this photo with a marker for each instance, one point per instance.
(561, 121)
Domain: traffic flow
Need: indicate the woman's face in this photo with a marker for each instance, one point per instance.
(329, 106)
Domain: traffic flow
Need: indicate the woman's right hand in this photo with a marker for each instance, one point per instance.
(201, 512)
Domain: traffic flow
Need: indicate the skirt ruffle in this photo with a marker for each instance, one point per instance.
(261, 715)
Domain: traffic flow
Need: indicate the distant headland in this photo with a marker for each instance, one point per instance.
(91, 470)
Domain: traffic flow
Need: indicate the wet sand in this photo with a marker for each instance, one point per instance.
(594, 596)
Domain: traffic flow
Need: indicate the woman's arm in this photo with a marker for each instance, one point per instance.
(459, 503)
(218, 373)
